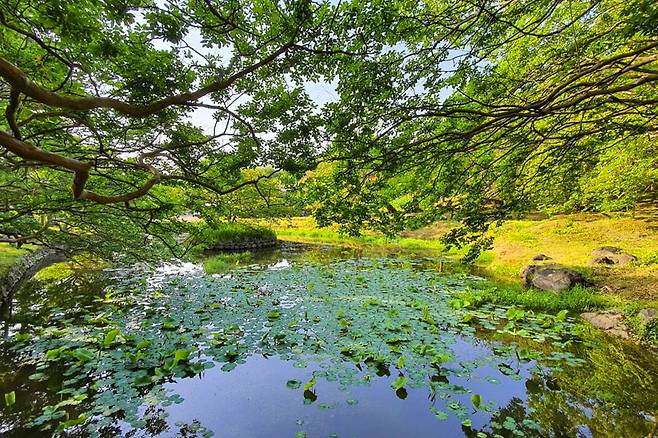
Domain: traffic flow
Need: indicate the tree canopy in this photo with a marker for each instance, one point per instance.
(117, 112)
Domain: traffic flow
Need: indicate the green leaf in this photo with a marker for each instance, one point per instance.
(39, 377)
(181, 355)
(294, 384)
(143, 344)
(561, 315)
(22, 337)
(441, 415)
(399, 382)
(83, 354)
(438, 359)
(70, 423)
(310, 384)
(273, 315)
(476, 399)
(10, 398)
(142, 380)
(110, 337)
(54, 353)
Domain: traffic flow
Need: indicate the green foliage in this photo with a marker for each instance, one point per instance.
(218, 233)
(650, 332)
(625, 173)
(275, 196)
(8, 255)
(649, 259)
(528, 105)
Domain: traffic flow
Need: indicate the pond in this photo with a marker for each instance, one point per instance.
(309, 342)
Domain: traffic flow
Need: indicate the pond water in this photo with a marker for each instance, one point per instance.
(309, 342)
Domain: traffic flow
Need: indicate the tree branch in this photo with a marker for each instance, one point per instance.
(18, 80)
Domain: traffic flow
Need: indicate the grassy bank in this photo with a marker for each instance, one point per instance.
(579, 299)
(208, 236)
(304, 230)
(569, 240)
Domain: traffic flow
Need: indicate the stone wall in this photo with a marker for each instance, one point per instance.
(243, 245)
(25, 268)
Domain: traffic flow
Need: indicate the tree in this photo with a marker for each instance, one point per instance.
(483, 110)
(100, 98)
(445, 107)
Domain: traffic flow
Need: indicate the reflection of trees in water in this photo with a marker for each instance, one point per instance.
(613, 395)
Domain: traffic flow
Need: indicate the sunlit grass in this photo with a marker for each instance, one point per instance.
(223, 262)
(8, 255)
(304, 230)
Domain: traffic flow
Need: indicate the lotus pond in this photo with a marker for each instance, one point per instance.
(309, 342)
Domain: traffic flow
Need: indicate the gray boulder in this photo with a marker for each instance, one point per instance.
(647, 315)
(552, 278)
(603, 260)
(607, 250)
(611, 255)
(610, 322)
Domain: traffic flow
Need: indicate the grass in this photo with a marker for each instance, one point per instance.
(579, 299)
(8, 255)
(304, 230)
(569, 240)
(223, 262)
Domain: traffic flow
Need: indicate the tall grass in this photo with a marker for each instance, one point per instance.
(577, 299)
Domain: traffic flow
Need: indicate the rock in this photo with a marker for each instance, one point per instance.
(603, 320)
(243, 245)
(611, 255)
(647, 315)
(541, 258)
(619, 332)
(606, 250)
(610, 322)
(552, 278)
(625, 258)
(603, 260)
